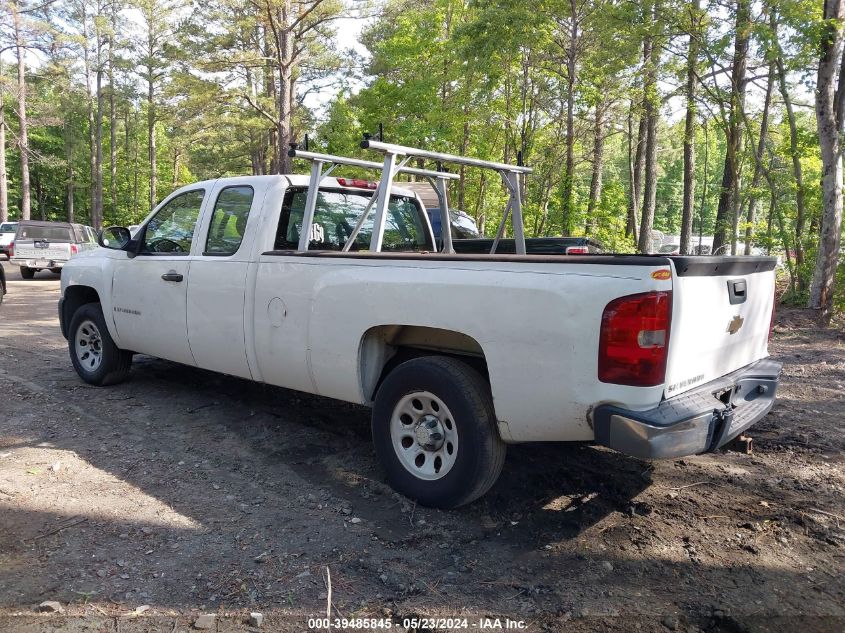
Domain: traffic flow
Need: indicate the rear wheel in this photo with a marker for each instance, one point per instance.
(94, 355)
(434, 430)
(27, 272)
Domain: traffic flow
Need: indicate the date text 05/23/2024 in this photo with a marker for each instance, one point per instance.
(417, 623)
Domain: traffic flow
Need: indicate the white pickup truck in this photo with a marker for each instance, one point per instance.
(457, 354)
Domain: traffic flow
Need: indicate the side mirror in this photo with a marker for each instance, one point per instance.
(114, 237)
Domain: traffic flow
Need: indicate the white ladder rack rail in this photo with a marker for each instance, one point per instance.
(319, 161)
(510, 177)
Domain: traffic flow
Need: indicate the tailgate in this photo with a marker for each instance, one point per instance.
(42, 250)
(721, 314)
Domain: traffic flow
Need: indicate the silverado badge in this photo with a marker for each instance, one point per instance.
(735, 324)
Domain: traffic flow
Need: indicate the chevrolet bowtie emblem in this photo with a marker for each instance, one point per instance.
(735, 324)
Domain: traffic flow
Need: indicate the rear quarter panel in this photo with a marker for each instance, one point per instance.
(537, 324)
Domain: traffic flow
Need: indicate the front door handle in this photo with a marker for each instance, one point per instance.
(172, 276)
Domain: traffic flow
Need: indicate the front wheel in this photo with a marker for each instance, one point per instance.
(94, 355)
(435, 433)
(27, 272)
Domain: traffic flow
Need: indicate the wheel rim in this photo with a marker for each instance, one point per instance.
(89, 346)
(424, 435)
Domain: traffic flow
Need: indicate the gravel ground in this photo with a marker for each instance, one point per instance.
(180, 493)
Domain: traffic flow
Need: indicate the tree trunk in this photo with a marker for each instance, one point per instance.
(829, 101)
(705, 177)
(729, 195)
(284, 95)
(128, 134)
(112, 123)
(689, 133)
(651, 106)
(464, 150)
(69, 172)
(4, 177)
(784, 239)
(151, 137)
(97, 213)
(636, 157)
(758, 162)
(136, 169)
(797, 174)
(569, 169)
(92, 162)
(22, 132)
(598, 166)
(772, 203)
(176, 157)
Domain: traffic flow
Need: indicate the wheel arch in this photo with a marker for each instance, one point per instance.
(75, 297)
(384, 347)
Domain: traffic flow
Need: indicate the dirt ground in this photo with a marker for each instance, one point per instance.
(140, 507)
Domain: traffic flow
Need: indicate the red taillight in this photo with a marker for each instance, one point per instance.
(634, 339)
(356, 182)
(74, 249)
(11, 249)
(577, 250)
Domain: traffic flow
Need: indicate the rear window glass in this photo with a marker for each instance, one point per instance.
(8, 227)
(52, 233)
(336, 215)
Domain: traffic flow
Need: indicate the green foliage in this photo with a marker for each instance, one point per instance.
(486, 79)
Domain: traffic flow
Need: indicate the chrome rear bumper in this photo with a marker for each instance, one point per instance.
(695, 422)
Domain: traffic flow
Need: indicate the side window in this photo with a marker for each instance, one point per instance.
(228, 221)
(338, 212)
(172, 229)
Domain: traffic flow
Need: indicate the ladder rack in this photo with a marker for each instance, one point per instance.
(389, 169)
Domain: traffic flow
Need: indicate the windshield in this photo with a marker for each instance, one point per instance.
(51, 233)
(463, 226)
(669, 248)
(8, 227)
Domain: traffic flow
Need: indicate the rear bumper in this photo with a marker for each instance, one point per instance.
(37, 263)
(695, 422)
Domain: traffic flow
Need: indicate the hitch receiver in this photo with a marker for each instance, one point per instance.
(741, 444)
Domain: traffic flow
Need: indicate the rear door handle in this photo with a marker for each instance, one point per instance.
(172, 276)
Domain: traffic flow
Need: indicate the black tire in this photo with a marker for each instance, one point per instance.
(115, 362)
(480, 450)
(27, 272)
(56, 271)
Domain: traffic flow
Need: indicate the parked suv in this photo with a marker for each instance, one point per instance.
(7, 237)
(49, 245)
